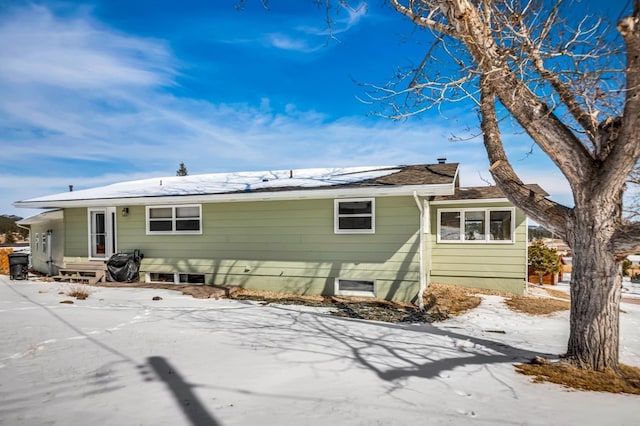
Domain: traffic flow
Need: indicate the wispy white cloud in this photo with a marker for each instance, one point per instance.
(298, 44)
(83, 104)
(309, 38)
(40, 48)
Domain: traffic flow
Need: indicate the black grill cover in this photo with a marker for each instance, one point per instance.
(123, 267)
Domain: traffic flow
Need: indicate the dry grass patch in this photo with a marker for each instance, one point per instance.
(440, 302)
(451, 299)
(78, 291)
(271, 296)
(536, 305)
(626, 381)
(558, 294)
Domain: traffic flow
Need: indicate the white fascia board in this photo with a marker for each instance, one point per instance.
(42, 217)
(391, 191)
(472, 201)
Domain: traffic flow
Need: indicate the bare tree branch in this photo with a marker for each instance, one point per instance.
(551, 215)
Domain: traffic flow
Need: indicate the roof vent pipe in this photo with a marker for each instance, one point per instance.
(442, 160)
(70, 188)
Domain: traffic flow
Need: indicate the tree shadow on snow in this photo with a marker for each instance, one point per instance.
(392, 351)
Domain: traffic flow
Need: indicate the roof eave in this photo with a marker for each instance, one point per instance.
(387, 191)
(472, 201)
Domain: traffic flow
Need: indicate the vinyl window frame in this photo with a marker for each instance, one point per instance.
(174, 220)
(337, 216)
(487, 225)
(175, 277)
(355, 293)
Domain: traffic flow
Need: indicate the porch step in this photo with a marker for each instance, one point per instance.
(88, 273)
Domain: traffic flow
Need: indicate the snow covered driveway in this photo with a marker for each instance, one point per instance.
(120, 358)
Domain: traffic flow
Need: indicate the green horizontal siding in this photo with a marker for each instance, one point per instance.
(485, 265)
(498, 284)
(285, 246)
(76, 243)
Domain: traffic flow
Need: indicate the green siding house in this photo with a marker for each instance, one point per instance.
(383, 232)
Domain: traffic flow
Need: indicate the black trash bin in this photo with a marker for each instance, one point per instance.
(124, 267)
(18, 266)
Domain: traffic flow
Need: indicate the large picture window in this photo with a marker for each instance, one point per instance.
(174, 219)
(355, 216)
(475, 225)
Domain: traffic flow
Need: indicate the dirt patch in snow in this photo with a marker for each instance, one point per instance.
(440, 301)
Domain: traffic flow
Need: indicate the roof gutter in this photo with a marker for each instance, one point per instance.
(311, 194)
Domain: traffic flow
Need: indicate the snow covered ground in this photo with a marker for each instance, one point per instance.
(120, 358)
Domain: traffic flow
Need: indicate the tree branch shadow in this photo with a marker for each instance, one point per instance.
(392, 351)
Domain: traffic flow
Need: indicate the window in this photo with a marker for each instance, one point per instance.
(37, 245)
(174, 220)
(175, 278)
(191, 278)
(348, 287)
(476, 225)
(354, 216)
(161, 277)
(98, 233)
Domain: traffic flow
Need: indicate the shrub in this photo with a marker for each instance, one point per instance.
(78, 291)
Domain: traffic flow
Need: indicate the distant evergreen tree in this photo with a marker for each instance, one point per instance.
(543, 259)
(8, 228)
(182, 171)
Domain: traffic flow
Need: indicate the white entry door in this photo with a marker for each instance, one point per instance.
(102, 232)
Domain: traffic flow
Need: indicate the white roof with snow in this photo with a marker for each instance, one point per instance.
(278, 184)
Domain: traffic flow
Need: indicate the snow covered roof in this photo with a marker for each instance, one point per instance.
(434, 179)
(42, 217)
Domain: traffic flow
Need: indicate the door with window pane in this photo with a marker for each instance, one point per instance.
(101, 233)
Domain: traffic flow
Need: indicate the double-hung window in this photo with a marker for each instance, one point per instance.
(476, 225)
(354, 216)
(181, 219)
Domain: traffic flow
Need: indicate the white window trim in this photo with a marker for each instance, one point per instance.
(338, 292)
(336, 216)
(173, 219)
(176, 277)
(487, 211)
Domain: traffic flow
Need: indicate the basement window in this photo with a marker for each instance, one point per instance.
(191, 278)
(175, 278)
(161, 277)
(352, 287)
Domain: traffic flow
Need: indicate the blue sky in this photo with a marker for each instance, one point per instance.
(97, 92)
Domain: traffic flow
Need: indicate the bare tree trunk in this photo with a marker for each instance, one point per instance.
(596, 283)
